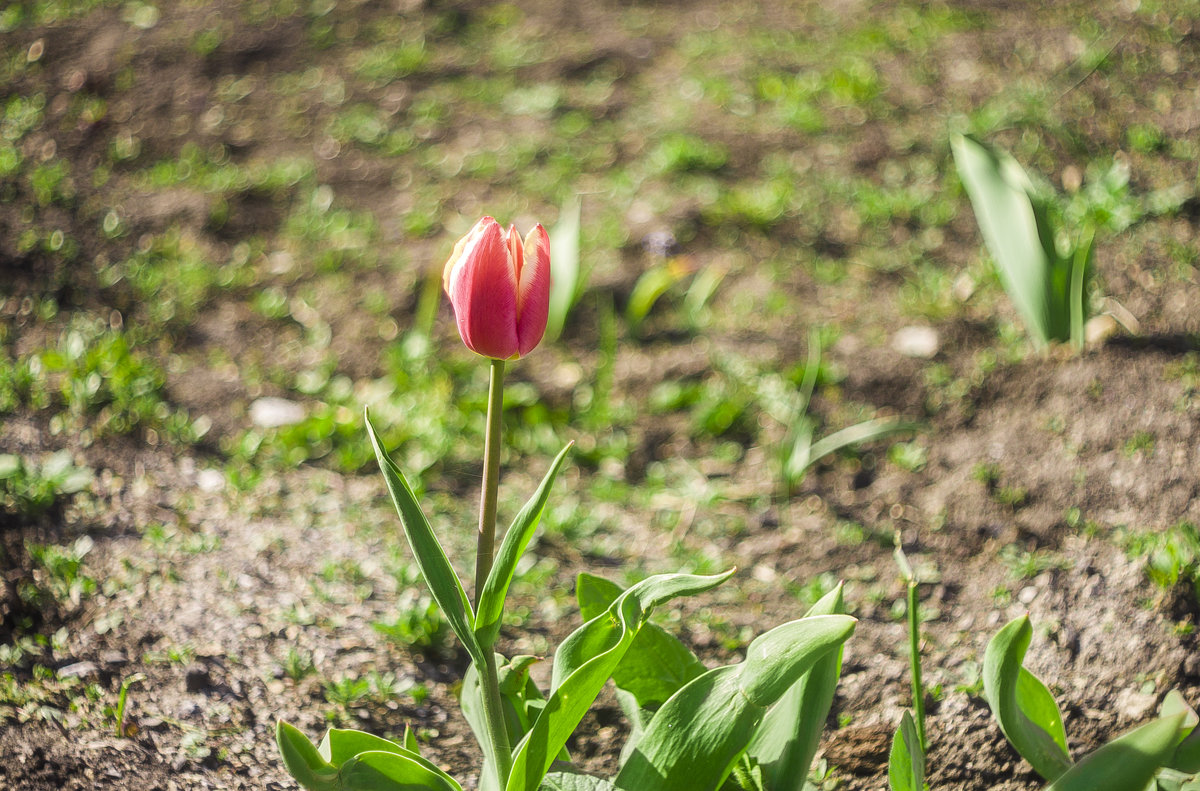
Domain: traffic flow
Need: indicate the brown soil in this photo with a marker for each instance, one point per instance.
(1075, 449)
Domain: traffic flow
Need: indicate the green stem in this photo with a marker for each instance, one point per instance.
(493, 709)
(491, 479)
(914, 647)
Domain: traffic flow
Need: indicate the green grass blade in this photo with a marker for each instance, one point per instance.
(583, 663)
(1000, 194)
(495, 588)
(435, 567)
(565, 280)
(1021, 703)
(1128, 762)
(786, 741)
(866, 431)
(1080, 263)
(697, 735)
(906, 761)
(303, 761)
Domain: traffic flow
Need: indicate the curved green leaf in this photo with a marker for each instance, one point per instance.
(906, 762)
(303, 761)
(571, 781)
(1126, 763)
(435, 567)
(787, 739)
(583, 663)
(1187, 754)
(1022, 704)
(656, 665)
(695, 738)
(388, 771)
(1017, 232)
(495, 588)
(340, 745)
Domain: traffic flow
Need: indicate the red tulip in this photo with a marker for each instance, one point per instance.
(500, 298)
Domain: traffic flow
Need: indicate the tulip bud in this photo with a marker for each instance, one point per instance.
(501, 298)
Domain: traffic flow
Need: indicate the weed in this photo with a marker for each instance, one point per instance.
(33, 489)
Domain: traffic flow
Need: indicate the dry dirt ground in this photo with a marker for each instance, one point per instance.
(1037, 467)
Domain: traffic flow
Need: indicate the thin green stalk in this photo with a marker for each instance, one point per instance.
(914, 647)
(491, 479)
(493, 711)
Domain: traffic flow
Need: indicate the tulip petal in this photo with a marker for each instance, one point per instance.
(533, 290)
(482, 287)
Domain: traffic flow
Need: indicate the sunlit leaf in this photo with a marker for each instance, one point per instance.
(495, 589)
(583, 663)
(697, 735)
(906, 762)
(787, 739)
(1021, 703)
(431, 559)
(1128, 762)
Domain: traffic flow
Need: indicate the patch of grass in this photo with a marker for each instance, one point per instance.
(58, 574)
(1023, 564)
(1171, 557)
(32, 489)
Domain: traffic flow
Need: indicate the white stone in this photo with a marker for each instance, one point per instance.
(272, 412)
(916, 341)
(210, 480)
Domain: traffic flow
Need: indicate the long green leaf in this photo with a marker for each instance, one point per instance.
(1017, 232)
(804, 456)
(906, 761)
(388, 771)
(495, 588)
(1021, 703)
(303, 761)
(565, 280)
(1126, 763)
(435, 567)
(787, 739)
(697, 735)
(583, 663)
(656, 665)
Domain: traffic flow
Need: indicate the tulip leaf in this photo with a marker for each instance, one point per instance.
(583, 663)
(565, 282)
(696, 737)
(495, 588)
(1187, 754)
(1127, 762)
(906, 762)
(787, 739)
(303, 761)
(1018, 233)
(656, 665)
(341, 745)
(435, 567)
(1021, 703)
(389, 771)
(571, 781)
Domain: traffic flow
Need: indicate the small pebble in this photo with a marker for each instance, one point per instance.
(272, 412)
(922, 342)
